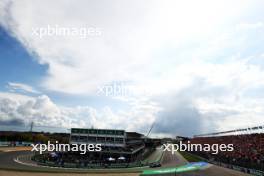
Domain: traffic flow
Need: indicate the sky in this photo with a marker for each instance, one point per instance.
(188, 67)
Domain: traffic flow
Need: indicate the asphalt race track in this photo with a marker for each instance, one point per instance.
(7, 162)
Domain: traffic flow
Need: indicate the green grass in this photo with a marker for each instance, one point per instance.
(190, 157)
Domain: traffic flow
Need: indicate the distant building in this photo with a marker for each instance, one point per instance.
(114, 138)
(115, 143)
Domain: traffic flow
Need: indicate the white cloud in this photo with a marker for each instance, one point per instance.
(249, 26)
(43, 112)
(132, 32)
(170, 51)
(40, 109)
(12, 86)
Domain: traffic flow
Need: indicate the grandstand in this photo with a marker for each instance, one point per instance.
(248, 148)
(119, 149)
(115, 143)
(241, 131)
(108, 138)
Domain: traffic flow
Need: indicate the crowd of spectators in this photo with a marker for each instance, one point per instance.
(248, 150)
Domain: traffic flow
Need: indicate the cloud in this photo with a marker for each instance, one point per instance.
(248, 26)
(43, 112)
(181, 114)
(127, 43)
(12, 86)
(213, 98)
(179, 119)
(26, 109)
(193, 64)
(12, 122)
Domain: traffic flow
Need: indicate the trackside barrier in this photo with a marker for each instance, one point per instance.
(24, 157)
(40, 161)
(95, 166)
